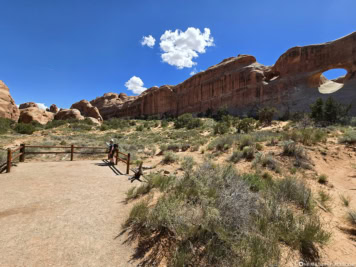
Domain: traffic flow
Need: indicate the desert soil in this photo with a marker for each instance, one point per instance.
(63, 214)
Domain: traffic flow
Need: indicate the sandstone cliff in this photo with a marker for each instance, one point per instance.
(8, 109)
(244, 85)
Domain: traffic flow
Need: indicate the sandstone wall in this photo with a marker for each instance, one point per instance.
(243, 85)
(8, 108)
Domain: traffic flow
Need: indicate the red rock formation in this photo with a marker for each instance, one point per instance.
(8, 108)
(243, 85)
(30, 114)
(110, 104)
(53, 108)
(28, 105)
(66, 114)
(87, 110)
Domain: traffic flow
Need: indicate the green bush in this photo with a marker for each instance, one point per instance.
(116, 123)
(329, 111)
(266, 114)
(187, 121)
(323, 179)
(352, 217)
(246, 125)
(139, 128)
(55, 124)
(266, 161)
(290, 148)
(164, 123)
(236, 156)
(248, 152)
(5, 125)
(348, 137)
(221, 143)
(221, 128)
(24, 128)
(169, 157)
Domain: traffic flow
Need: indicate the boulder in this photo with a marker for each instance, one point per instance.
(30, 114)
(53, 108)
(93, 120)
(8, 108)
(28, 105)
(66, 114)
(87, 110)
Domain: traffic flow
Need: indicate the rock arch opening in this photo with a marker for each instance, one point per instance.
(332, 80)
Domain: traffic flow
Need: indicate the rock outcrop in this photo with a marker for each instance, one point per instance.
(66, 114)
(30, 114)
(243, 85)
(53, 108)
(8, 108)
(28, 105)
(110, 104)
(87, 110)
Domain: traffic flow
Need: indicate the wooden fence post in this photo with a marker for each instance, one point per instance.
(9, 159)
(128, 164)
(22, 151)
(71, 152)
(117, 157)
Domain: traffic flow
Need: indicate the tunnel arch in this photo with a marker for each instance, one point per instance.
(332, 80)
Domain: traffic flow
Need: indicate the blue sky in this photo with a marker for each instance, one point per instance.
(62, 51)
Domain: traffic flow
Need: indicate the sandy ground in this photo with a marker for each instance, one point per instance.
(63, 214)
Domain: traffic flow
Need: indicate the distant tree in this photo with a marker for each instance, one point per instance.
(317, 110)
(266, 114)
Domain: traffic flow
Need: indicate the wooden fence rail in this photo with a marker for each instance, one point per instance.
(22, 151)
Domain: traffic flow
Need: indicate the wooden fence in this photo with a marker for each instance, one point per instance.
(23, 150)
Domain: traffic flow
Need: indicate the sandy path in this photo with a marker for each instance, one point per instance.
(63, 214)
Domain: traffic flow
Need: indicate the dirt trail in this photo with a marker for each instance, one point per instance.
(63, 214)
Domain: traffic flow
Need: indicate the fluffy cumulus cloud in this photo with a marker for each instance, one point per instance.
(149, 41)
(135, 84)
(180, 48)
(42, 106)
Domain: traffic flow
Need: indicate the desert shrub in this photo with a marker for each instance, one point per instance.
(221, 143)
(55, 124)
(352, 121)
(187, 121)
(246, 140)
(185, 147)
(220, 113)
(194, 148)
(306, 136)
(295, 191)
(259, 146)
(221, 128)
(345, 200)
(236, 156)
(246, 125)
(173, 147)
(248, 152)
(80, 126)
(116, 123)
(188, 163)
(322, 179)
(290, 148)
(5, 125)
(266, 114)
(3, 156)
(324, 199)
(164, 123)
(139, 128)
(348, 137)
(352, 217)
(214, 217)
(169, 157)
(24, 128)
(266, 161)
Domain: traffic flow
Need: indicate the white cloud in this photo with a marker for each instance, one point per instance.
(42, 106)
(179, 48)
(149, 41)
(135, 84)
(194, 71)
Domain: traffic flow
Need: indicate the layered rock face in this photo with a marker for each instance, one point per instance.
(30, 114)
(87, 110)
(66, 114)
(243, 85)
(8, 108)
